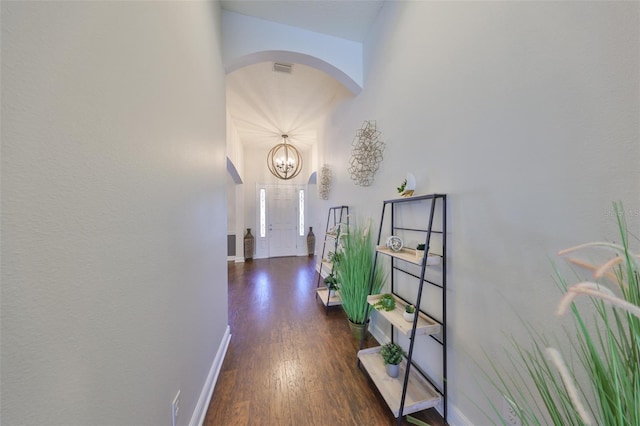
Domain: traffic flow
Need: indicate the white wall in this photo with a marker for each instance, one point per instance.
(235, 150)
(113, 210)
(235, 153)
(231, 213)
(248, 40)
(527, 115)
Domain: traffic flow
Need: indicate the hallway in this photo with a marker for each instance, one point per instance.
(288, 363)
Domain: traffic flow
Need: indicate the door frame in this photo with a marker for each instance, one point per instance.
(262, 242)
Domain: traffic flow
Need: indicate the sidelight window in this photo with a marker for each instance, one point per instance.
(263, 212)
(301, 212)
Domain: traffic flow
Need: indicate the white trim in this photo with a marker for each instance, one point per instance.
(199, 413)
(456, 417)
(239, 259)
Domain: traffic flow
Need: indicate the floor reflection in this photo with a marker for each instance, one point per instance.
(262, 290)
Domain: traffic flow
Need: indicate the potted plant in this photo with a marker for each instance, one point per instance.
(386, 303)
(419, 251)
(392, 355)
(332, 284)
(409, 313)
(354, 273)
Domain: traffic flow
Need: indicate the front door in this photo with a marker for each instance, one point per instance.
(282, 220)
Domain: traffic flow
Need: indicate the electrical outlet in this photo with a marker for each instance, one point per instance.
(175, 409)
(509, 414)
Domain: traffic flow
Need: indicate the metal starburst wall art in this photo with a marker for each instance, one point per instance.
(366, 154)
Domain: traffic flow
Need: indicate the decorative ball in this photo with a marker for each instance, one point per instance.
(394, 243)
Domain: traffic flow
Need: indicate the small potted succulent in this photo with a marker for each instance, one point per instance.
(419, 251)
(409, 313)
(386, 303)
(392, 355)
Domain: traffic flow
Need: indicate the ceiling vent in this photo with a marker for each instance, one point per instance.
(282, 67)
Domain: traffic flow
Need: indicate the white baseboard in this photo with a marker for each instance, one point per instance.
(456, 417)
(199, 413)
(239, 259)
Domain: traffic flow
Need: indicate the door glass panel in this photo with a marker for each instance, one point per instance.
(263, 214)
(301, 210)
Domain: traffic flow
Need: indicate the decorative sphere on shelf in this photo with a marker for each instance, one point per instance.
(394, 243)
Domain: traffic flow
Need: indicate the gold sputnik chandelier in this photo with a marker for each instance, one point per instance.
(284, 160)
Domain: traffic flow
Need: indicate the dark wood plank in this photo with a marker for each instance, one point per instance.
(288, 363)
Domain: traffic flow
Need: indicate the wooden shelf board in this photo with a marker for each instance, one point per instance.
(425, 326)
(408, 255)
(333, 301)
(328, 265)
(420, 394)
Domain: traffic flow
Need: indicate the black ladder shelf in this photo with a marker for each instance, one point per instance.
(337, 218)
(408, 265)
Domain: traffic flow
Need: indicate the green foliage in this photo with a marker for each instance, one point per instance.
(334, 258)
(420, 247)
(409, 309)
(600, 382)
(354, 272)
(386, 302)
(331, 281)
(402, 187)
(392, 353)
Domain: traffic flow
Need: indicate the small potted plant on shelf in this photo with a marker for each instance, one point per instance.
(392, 355)
(332, 284)
(407, 186)
(402, 187)
(386, 303)
(409, 313)
(419, 251)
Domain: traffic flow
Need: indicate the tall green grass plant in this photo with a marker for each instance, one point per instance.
(355, 269)
(596, 381)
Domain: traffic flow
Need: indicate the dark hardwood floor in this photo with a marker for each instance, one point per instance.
(288, 363)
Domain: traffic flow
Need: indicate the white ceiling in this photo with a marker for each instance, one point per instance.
(264, 104)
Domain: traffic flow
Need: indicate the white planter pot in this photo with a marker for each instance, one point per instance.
(408, 317)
